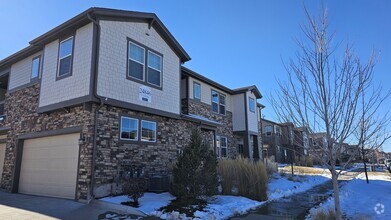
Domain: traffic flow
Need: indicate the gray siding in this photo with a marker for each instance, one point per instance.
(78, 85)
(252, 116)
(21, 72)
(239, 117)
(112, 81)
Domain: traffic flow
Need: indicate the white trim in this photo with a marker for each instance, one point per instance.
(226, 146)
(120, 129)
(141, 126)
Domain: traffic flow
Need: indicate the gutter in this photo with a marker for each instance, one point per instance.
(101, 100)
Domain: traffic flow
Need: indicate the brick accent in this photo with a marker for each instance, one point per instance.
(22, 118)
(226, 129)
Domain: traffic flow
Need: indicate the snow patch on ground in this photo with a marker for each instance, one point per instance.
(225, 206)
(281, 186)
(148, 203)
(222, 207)
(362, 200)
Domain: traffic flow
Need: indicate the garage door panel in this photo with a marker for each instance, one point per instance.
(49, 166)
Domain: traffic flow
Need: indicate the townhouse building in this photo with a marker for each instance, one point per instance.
(283, 141)
(104, 95)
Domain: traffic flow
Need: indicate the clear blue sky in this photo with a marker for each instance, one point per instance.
(236, 43)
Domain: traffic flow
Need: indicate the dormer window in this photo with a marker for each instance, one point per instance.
(65, 55)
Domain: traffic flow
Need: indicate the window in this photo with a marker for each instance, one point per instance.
(221, 147)
(129, 128)
(222, 104)
(218, 103)
(144, 65)
(35, 67)
(136, 60)
(65, 57)
(196, 91)
(278, 131)
(268, 130)
(251, 104)
(154, 68)
(148, 131)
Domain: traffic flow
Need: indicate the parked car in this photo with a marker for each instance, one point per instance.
(388, 164)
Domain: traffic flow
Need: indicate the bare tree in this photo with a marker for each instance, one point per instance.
(322, 93)
(372, 132)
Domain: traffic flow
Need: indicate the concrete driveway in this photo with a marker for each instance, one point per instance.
(19, 206)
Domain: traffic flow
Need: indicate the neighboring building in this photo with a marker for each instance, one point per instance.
(103, 96)
(283, 141)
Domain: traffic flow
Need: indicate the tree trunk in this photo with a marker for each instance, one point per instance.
(337, 202)
(365, 166)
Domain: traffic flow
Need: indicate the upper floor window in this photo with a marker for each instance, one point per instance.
(268, 130)
(136, 61)
(148, 131)
(218, 103)
(129, 129)
(278, 131)
(36, 67)
(154, 68)
(251, 104)
(65, 57)
(144, 64)
(196, 91)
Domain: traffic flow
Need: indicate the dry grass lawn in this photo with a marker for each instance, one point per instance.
(303, 170)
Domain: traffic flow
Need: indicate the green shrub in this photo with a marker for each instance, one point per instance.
(195, 173)
(250, 178)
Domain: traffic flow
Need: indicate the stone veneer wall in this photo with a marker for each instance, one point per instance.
(22, 118)
(198, 108)
(115, 156)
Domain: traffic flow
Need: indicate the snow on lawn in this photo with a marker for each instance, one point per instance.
(281, 186)
(224, 206)
(362, 200)
(148, 203)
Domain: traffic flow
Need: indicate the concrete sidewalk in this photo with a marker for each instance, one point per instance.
(19, 206)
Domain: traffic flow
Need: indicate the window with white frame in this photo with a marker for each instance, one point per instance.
(129, 129)
(218, 103)
(268, 130)
(36, 67)
(154, 68)
(221, 147)
(136, 61)
(196, 91)
(65, 57)
(148, 131)
(224, 147)
(251, 104)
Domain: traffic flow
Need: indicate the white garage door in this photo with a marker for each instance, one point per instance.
(2, 156)
(49, 166)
